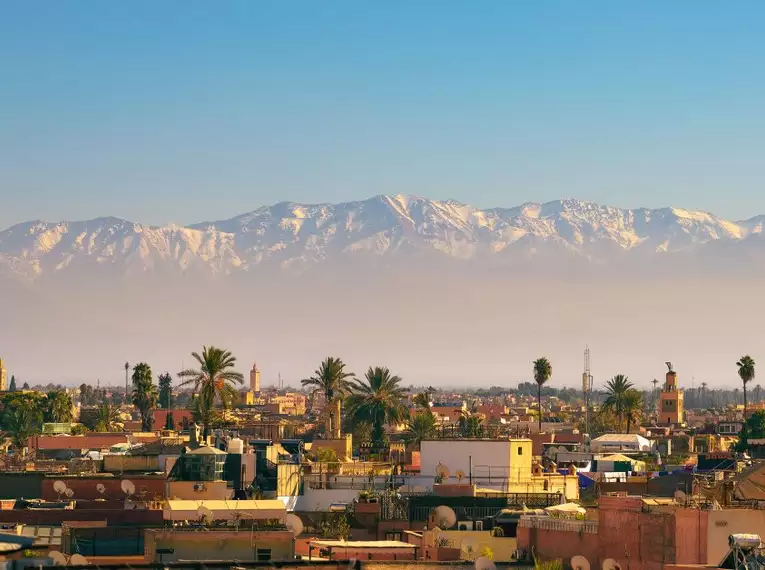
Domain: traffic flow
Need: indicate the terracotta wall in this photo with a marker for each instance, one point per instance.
(553, 544)
(85, 488)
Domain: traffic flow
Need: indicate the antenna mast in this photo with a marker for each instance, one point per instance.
(587, 388)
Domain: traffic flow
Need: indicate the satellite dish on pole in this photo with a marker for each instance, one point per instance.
(443, 517)
(205, 514)
(101, 488)
(611, 564)
(579, 562)
(294, 524)
(60, 487)
(78, 560)
(484, 563)
(442, 471)
(128, 487)
(58, 558)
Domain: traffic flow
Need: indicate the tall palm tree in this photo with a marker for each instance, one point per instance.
(616, 391)
(633, 405)
(106, 418)
(22, 423)
(746, 373)
(422, 400)
(332, 380)
(542, 373)
(419, 428)
(471, 420)
(213, 381)
(378, 399)
(58, 407)
(145, 394)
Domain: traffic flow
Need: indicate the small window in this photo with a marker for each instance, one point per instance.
(520, 450)
(263, 554)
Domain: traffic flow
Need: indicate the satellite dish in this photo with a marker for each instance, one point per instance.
(680, 497)
(78, 560)
(484, 563)
(460, 474)
(579, 562)
(204, 513)
(442, 470)
(59, 486)
(127, 487)
(294, 524)
(611, 564)
(69, 493)
(101, 488)
(58, 558)
(444, 517)
(469, 547)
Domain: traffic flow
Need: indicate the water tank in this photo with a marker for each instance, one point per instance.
(235, 445)
(745, 541)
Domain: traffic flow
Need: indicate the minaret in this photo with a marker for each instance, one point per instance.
(671, 399)
(255, 379)
(3, 377)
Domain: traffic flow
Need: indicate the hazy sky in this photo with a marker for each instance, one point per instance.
(185, 110)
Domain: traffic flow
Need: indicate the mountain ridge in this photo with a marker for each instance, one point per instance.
(293, 235)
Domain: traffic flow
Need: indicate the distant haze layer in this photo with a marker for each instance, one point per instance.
(442, 293)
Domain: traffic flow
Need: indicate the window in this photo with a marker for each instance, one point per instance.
(520, 450)
(263, 554)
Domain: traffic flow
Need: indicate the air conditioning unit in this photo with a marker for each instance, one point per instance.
(464, 525)
(199, 487)
(478, 525)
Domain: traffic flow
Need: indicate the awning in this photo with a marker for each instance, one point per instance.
(224, 510)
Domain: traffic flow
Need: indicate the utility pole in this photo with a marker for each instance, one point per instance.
(587, 388)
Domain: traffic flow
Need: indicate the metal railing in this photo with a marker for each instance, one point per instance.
(566, 525)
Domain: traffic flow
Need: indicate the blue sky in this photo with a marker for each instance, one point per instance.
(184, 110)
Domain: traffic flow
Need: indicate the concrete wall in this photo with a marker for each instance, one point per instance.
(121, 463)
(314, 500)
(731, 521)
(553, 544)
(503, 548)
(216, 545)
(21, 485)
(213, 490)
(508, 459)
(85, 488)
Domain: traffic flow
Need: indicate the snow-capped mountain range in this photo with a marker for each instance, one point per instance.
(299, 236)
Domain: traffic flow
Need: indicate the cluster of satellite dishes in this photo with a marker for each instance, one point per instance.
(62, 490)
(61, 559)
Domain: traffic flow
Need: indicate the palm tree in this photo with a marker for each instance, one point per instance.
(20, 424)
(377, 399)
(470, 421)
(331, 379)
(746, 373)
(58, 407)
(422, 400)
(145, 395)
(213, 380)
(633, 405)
(616, 390)
(419, 428)
(542, 373)
(106, 418)
(165, 391)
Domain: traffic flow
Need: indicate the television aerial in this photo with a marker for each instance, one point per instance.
(78, 560)
(444, 517)
(128, 487)
(484, 563)
(294, 524)
(579, 562)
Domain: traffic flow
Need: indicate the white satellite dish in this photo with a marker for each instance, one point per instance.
(469, 548)
(680, 497)
(579, 562)
(101, 488)
(78, 560)
(204, 513)
(59, 486)
(484, 563)
(58, 558)
(442, 470)
(69, 493)
(294, 524)
(444, 517)
(611, 564)
(127, 487)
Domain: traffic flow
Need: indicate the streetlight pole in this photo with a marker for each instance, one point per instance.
(127, 368)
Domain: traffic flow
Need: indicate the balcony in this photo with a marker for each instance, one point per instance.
(564, 525)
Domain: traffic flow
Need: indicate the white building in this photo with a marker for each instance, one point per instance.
(614, 442)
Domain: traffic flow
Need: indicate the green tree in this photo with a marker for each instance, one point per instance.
(754, 428)
(378, 399)
(422, 400)
(22, 423)
(25, 386)
(165, 391)
(420, 427)
(58, 407)
(332, 380)
(746, 373)
(213, 381)
(170, 422)
(542, 374)
(633, 406)
(106, 418)
(12, 387)
(471, 421)
(145, 395)
(616, 392)
(33, 402)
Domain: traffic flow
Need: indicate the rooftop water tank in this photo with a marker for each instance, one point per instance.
(236, 445)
